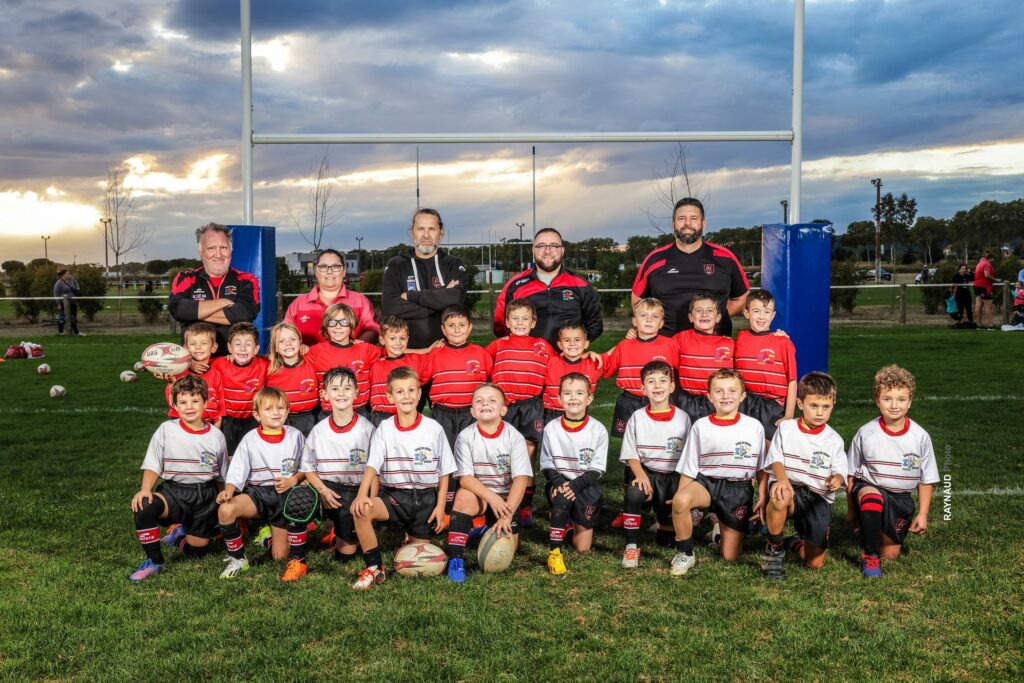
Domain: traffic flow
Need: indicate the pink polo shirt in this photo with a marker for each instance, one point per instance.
(307, 313)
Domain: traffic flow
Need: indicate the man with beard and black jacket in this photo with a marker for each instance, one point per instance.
(424, 281)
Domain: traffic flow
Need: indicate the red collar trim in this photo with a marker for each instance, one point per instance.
(715, 420)
(271, 438)
(314, 295)
(205, 428)
(807, 430)
(906, 427)
(346, 428)
(414, 425)
(663, 416)
(495, 435)
(566, 427)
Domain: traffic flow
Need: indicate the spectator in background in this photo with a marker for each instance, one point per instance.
(307, 311)
(984, 278)
(962, 283)
(922, 277)
(66, 289)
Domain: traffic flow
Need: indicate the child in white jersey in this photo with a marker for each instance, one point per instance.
(190, 457)
(805, 466)
(411, 460)
(890, 457)
(494, 470)
(265, 466)
(573, 457)
(720, 459)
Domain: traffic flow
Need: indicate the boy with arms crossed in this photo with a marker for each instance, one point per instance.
(243, 373)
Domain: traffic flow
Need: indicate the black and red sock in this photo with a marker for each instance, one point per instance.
(147, 529)
(297, 534)
(233, 540)
(458, 533)
(870, 514)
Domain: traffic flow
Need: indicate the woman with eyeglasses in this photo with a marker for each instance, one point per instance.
(307, 311)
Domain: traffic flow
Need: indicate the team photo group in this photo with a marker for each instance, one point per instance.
(357, 418)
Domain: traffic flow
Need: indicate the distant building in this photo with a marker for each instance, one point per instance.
(300, 262)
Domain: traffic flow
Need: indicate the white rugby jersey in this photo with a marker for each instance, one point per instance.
(260, 458)
(495, 459)
(187, 456)
(655, 439)
(413, 457)
(896, 461)
(338, 454)
(810, 456)
(732, 449)
(574, 451)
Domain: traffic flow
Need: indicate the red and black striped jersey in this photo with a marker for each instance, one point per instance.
(700, 354)
(519, 365)
(300, 385)
(767, 363)
(379, 377)
(559, 367)
(629, 356)
(240, 383)
(357, 357)
(214, 409)
(673, 277)
(455, 372)
(190, 287)
(569, 298)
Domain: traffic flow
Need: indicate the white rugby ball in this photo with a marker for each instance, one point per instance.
(57, 391)
(128, 376)
(165, 358)
(43, 369)
(495, 552)
(139, 366)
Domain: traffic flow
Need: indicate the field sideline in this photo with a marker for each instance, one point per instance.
(951, 609)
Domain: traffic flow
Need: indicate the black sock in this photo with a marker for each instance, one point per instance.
(147, 529)
(233, 540)
(632, 512)
(559, 520)
(665, 538)
(344, 558)
(372, 557)
(527, 503)
(870, 514)
(685, 545)
(193, 552)
(775, 542)
(458, 533)
(297, 541)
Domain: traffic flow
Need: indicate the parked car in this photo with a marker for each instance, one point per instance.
(870, 274)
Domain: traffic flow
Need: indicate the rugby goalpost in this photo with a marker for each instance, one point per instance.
(806, 328)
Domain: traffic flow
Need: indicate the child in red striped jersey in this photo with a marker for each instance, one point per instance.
(767, 362)
(340, 349)
(201, 342)
(520, 363)
(243, 373)
(294, 375)
(702, 352)
(456, 368)
(394, 335)
(805, 466)
(573, 343)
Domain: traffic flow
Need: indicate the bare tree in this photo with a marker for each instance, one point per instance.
(321, 207)
(674, 183)
(122, 235)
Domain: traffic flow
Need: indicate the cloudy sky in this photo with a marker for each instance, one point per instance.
(927, 94)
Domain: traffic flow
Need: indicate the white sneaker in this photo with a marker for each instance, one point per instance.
(631, 558)
(235, 567)
(714, 537)
(682, 563)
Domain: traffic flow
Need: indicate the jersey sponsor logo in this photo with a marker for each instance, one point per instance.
(742, 450)
(230, 290)
(436, 282)
(462, 268)
(821, 460)
(672, 271)
(674, 446)
(568, 295)
(538, 347)
(522, 280)
(308, 385)
(709, 269)
(586, 456)
(766, 356)
(287, 467)
(303, 319)
(423, 455)
(198, 295)
(253, 384)
(207, 460)
(659, 357)
(356, 366)
(504, 461)
(723, 353)
(911, 461)
(357, 456)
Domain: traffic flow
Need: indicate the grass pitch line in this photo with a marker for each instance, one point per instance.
(981, 398)
(93, 410)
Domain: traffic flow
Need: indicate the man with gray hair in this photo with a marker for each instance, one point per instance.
(214, 293)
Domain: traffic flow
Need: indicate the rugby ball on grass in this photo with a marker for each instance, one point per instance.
(43, 369)
(420, 559)
(57, 391)
(495, 552)
(165, 358)
(139, 366)
(128, 376)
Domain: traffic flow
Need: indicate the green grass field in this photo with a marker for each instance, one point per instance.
(949, 610)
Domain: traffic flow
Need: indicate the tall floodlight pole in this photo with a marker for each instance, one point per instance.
(106, 243)
(785, 211)
(417, 178)
(46, 251)
(877, 182)
(522, 263)
(534, 193)
(798, 112)
(247, 111)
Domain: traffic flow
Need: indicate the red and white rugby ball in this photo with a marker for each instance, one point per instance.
(165, 358)
(420, 559)
(57, 391)
(128, 376)
(139, 366)
(43, 369)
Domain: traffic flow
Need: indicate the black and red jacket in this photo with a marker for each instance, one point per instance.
(192, 286)
(569, 298)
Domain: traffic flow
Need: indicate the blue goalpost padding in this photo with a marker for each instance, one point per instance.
(797, 268)
(254, 250)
